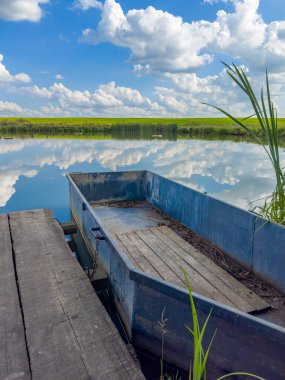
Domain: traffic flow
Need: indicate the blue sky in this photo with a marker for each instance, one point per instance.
(136, 58)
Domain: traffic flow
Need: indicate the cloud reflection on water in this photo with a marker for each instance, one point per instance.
(236, 172)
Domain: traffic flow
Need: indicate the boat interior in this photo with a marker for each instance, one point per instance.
(145, 236)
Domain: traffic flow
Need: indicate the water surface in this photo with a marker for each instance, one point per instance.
(32, 170)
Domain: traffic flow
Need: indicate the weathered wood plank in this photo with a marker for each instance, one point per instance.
(14, 362)
(69, 333)
(132, 258)
(199, 283)
(175, 264)
(135, 255)
(154, 260)
(232, 297)
(161, 252)
(226, 281)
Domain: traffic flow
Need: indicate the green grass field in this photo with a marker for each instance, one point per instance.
(141, 126)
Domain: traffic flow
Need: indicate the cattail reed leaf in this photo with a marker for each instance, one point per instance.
(274, 206)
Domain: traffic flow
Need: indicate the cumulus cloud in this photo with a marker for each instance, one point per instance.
(14, 109)
(186, 92)
(8, 108)
(181, 94)
(84, 5)
(108, 98)
(244, 35)
(6, 77)
(164, 44)
(54, 110)
(160, 41)
(21, 10)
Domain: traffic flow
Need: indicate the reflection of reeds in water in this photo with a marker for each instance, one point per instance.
(274, 205)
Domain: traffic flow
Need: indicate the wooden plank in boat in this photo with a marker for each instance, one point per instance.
(135, 255)
(204, 269)
(240, 289)
(14, 362)
(154, 259)
(69, 333)
(174, 262)
(202, 285)
(167, 252)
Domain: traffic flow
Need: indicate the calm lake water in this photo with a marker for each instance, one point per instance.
(32, 170)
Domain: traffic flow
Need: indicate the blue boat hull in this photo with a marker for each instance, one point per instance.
(243, 342)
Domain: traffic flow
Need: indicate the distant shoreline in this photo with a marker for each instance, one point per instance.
(142, 126)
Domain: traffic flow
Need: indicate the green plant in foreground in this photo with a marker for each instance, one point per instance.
(274, 205)
(198, 366)
(197, 369)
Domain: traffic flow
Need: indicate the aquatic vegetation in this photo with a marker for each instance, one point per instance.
(274, 205)
(198, 366)
(143, 126)
(162, 325)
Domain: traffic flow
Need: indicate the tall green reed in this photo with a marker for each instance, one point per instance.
(198, 366)
(273, 205)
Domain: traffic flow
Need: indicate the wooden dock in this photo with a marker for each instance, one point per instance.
(52, 324)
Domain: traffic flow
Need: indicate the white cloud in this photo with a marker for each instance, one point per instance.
(21, 10)
(6, 77)
(160, 41)
(188, 90)
(59, 77)
(220, 90)
(36, 91)
(8, 108)
(22, 77)
(63, 154)
(8, 181)
(163, 43)
(54, 110)
(11, 146)
(126, 95)
(181, 95)
(84, 5)
(171, 103)
(106, 99)
(248, 189)
(244, 35)
(224, 165)
(191, 82)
